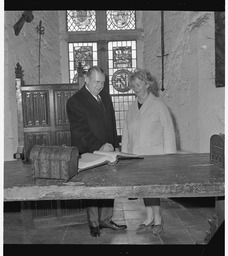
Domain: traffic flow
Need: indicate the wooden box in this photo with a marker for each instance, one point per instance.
(54, 162)
(217, 150)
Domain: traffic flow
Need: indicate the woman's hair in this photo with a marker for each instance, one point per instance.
(144, 75)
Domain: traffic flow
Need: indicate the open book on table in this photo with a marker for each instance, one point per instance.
(97, 158)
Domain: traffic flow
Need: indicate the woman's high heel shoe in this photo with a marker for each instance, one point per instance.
(156, 229)
(143, 228)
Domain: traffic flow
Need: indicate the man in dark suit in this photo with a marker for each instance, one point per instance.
(93, 127)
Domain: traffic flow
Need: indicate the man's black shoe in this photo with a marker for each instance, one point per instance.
(95, 231)
(112, 225)
(119, 227)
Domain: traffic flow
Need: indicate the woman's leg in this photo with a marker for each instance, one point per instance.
(149, 215)
(157, 214)
(153, 210)
(154, 222)
(158, 220)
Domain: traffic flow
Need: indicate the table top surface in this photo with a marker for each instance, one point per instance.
(158, 176)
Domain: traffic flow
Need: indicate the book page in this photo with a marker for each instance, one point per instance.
(118, 154)
(112, 154)
(88, 160)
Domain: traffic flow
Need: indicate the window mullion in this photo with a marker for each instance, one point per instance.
(101, 21)
(102, 54)
(104, 35)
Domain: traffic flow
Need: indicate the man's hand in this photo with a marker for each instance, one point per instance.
(107, 147)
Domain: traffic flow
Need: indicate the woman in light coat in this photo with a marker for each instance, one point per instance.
(148, 130)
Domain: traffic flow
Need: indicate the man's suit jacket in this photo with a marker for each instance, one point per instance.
(90, 125)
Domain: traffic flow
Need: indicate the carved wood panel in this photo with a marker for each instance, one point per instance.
(36, 110)
(63, 138)
(61, 98)
(45, 120)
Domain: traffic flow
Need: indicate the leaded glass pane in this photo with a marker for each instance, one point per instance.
(122, 56)
(81, 20)
(85, 53)
(122, 59)
(120, 20)
(121, 105)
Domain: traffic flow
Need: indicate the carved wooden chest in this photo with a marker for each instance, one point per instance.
(54, 162)
(217, 150)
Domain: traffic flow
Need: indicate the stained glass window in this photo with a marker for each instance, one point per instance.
(122, 57)
(81, 20)
(120, 20)
(122, 60)
(85, 53)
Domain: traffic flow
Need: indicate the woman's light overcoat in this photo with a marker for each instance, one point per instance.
(148, 130)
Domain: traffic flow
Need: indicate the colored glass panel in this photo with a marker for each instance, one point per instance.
(121, 59)
(84, 53)
(81, 20)
(120, 20)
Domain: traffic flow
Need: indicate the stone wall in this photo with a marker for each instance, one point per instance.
(189, 71)
(24, 49)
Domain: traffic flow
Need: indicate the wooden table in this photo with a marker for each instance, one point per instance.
(163, 176)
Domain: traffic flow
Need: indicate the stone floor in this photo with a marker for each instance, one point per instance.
(185, 222)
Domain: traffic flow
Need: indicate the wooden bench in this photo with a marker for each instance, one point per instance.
(42, 116)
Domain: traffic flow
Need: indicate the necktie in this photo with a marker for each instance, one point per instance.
(100, 101)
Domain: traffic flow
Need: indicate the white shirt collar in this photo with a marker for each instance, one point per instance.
(91, 93)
